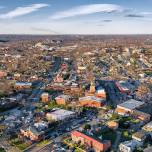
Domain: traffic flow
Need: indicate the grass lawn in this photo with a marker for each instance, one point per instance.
(22, 146)
(18, 143)
(43, 143)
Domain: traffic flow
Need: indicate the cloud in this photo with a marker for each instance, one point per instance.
(20, 11)
(106, 20)
(87, 9)
(134, 16)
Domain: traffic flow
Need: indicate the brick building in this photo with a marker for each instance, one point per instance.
(98, 146)
(91, 101)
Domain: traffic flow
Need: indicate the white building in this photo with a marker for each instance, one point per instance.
(60, 114)
(127, 146)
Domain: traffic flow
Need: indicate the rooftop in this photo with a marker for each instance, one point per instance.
(131, 104)
(93, 98)
(61, 113)
(148, 126)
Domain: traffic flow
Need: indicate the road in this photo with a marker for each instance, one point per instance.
(115, 146)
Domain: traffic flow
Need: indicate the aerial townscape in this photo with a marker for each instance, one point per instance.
(75, 76)
(75, 93)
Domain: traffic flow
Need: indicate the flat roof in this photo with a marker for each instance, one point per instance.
(148, 125)
(23, 83)
(131, 104)
(93, 98)
(61, 113)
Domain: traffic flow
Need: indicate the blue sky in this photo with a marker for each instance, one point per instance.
(75, 16)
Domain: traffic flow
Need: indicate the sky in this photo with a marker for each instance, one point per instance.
(75, 17)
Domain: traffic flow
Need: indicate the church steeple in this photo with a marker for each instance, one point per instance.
(92, 87)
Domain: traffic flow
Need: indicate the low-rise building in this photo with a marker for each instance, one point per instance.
(98, 146)
(35, 132)
(23, 85)
(148, 128)
(45, 97)
(112, 125)
(139, 136)
(60, 115)
(127, 108)
(100, 92)
(62, 99)
(127, 146)
(145, 117)
(91, 101)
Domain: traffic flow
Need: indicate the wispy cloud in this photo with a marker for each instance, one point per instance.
(134, 16)
(87, 9)
(20, 11)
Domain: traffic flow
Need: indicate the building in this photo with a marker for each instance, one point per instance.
(60, 115)
(32, 133)
(62, 99)
(35, 132)
(148, 128)
(23, 85)
(45, 97)
(139, 136)
(92, 88)
(112, 125)
(127, 146)
(123, 87)
(100, 92)
(91, 101)
(91, 91)
(145, 117)
(127, 108)
(98, 146)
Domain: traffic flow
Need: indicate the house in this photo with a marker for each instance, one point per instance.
(127, 146)
(145, 117)
(97, 145)
(112, 125)
(127, 108)
(35, 132)
(32, 133)
(60, 115)
(91, 101)
(62, 99)
(148, 128)
(139, 136)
